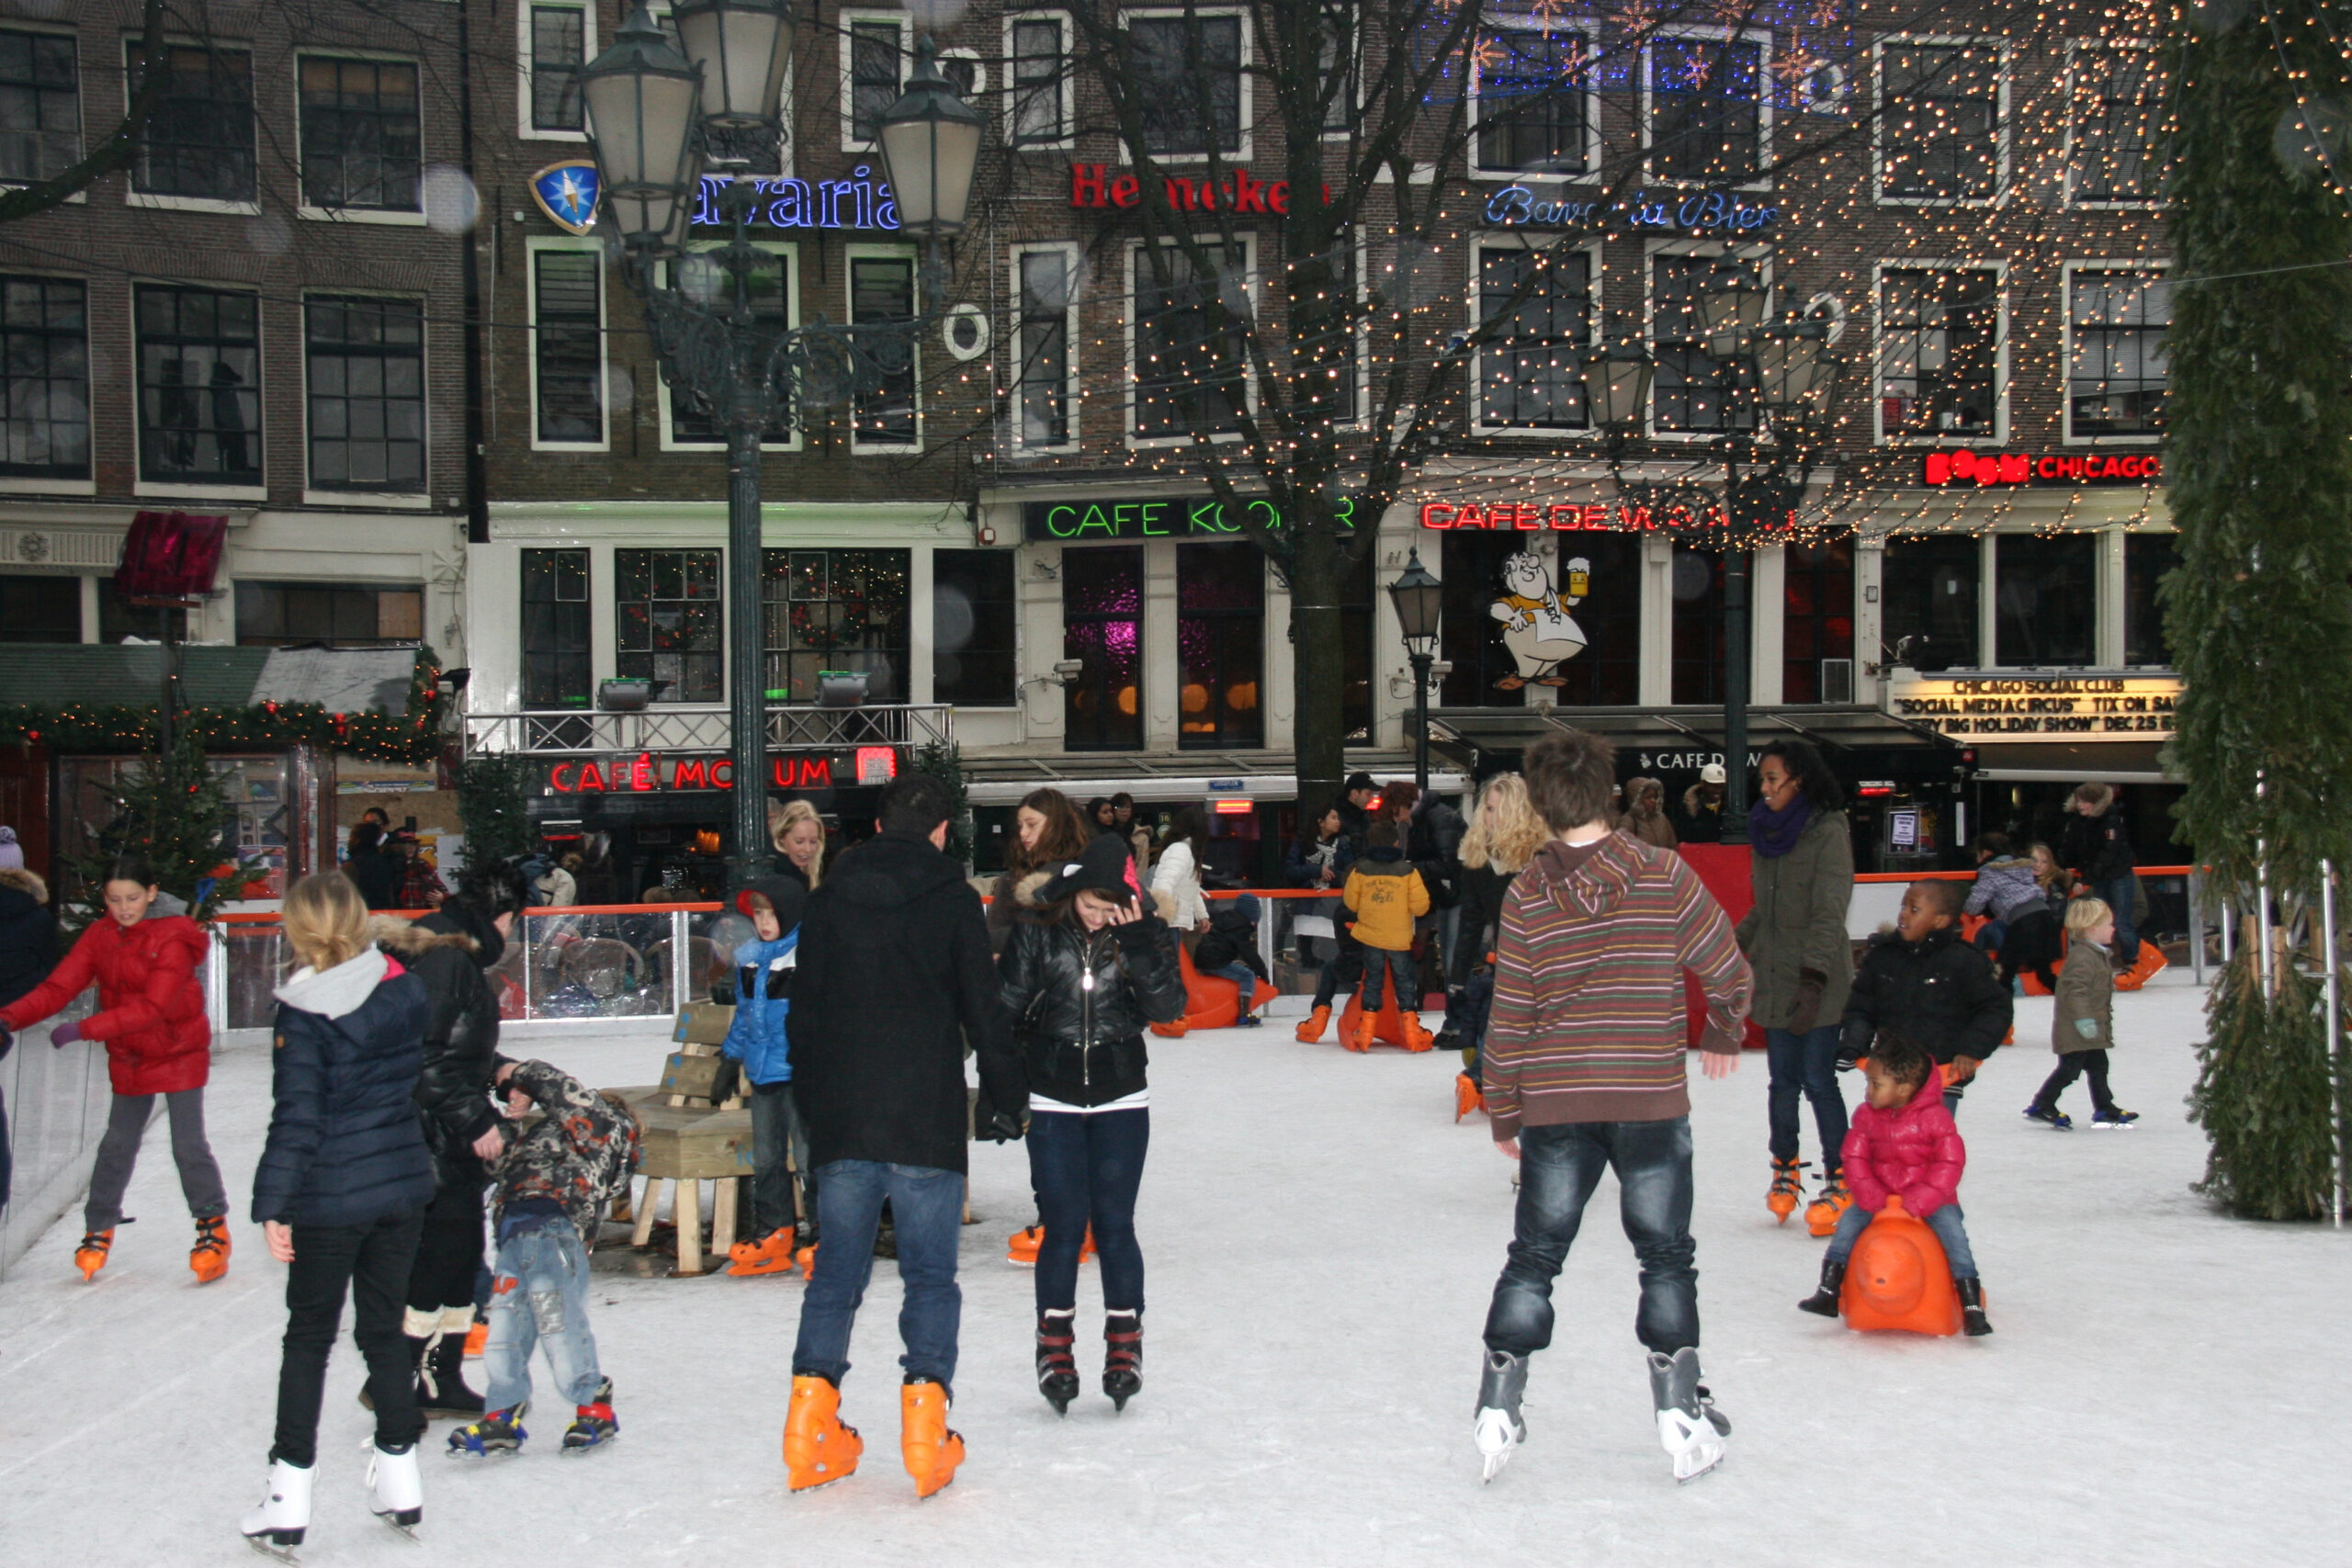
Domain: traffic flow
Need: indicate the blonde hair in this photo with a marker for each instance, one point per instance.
(325, 919)
(1505, 831)
(782, 823)
(2085, 915)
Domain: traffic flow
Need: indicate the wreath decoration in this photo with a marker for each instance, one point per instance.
(851, 618)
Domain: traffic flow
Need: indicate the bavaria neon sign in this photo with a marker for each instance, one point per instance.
(858, 202)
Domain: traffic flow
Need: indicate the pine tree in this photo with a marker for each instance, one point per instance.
(2260, 610)
(170, 808)
(492, 806)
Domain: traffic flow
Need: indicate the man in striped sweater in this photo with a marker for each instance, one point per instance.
(1583, 1069)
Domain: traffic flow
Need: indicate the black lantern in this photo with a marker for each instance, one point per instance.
(1731, 307)
(931, 144)
(742, 48)
(1419, 598)
(1792, 375)
(644, 99)
(1617, 385)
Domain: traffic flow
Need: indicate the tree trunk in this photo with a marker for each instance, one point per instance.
(1319, 575)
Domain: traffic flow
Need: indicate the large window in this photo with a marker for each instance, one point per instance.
(41, 609)
(1939, 129)
(1698, 587)
(361, 144)
(40, 106)
(556, 672)
(1705, 113)
(669, 624)
(772, 294)
(1044, 386)
(2115, 140)
(1220, 646)
(1929, 589)
(1692, 390)
(834, 610)
(2045, 599)
(1188, 74)
(973, 613)
(119, 618)
(874, 51)
(199, 386)
(273, 615)
(198, 141)
(1037, 81)
(567, 346)
(2118, 367)
(1535, 102)
(1939, 351)
(558, 45)
(45, 392)
(1529, 376)
(367, 393)
(1817, 621)
(1102, 630)
(2146, 559)
(1189, 342)
(882, 288)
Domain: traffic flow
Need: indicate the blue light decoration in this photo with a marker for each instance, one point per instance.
(857, 202)
(1702, 212)
(567, 192)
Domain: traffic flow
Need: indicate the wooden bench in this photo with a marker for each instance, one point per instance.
(686, 1145)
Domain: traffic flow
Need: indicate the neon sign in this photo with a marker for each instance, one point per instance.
(1093, 185)
(1714, 211)
(1192, 517)
(646, 773)
(858, 202)
(1567, 516)
(1995, 468)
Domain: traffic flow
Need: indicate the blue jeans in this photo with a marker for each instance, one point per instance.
(1399, 971)
(1806, 1065)
(1086, 1170)
(1246, 979)
(1944, 1222)
(1559, 1168)
(539, 1296)
(2119, 892)
(927, 1207)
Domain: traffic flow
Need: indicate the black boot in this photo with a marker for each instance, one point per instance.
(1823, 1301)
(1972, 1307)
(1056, 1366)
(1123, 1356)
(441, 1390)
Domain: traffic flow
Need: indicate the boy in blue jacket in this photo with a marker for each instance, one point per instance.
(764, 971)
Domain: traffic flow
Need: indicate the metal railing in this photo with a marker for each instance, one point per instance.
(573, 733)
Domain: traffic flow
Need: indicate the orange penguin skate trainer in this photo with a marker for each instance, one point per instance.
(1312, 1030)
(1898, 1278)
(1021, 1246)
(930, 1450)
(1417, 1039)
(1367, 1029)
(210, 1256)
(818, 1449)
(772, 1254)
(1467, 1097)
(1788, 1186)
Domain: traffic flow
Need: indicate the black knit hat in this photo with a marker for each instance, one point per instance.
(1104, 866)
(1356, 782)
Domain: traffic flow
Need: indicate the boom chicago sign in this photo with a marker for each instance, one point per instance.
(1992, 469)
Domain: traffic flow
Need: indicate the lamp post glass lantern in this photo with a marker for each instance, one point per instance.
(1419, 600)
(930, 144)
(644, 101)
(742, 48)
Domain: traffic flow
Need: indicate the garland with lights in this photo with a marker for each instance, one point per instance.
(852, 617)
(412, 739)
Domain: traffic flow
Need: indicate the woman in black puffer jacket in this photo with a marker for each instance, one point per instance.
(1083, 976)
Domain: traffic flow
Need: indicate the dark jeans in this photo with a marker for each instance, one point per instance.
(1806, 1065)
(1086, 1170)
(777, 1129)
(118, 1153)
(928, 1207)
(373, 1260)
(1396, 968)
(1559, 1168)
(2119, 892)
(1478, 1006)
(449, 1252)
(2072, 1065)
(1344, 970)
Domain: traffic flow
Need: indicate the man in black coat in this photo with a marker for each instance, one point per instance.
(376, 874)
(894, 981)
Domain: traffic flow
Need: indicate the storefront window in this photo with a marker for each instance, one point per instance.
(1102, 630)
(973, 620)
(2045, 599)
(1930, 589)
(1817, 623)
(278, 615)
(2146, 558)
(834, 610)
(41, 609)
(671, 627)
(1697, 626)
(1220, 645)
(556, 671)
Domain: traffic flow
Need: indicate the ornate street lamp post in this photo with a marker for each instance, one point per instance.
(656, 118)
(1419, 600)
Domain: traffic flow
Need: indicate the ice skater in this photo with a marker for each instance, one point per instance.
(759, 1040)
(1922, 980)
(2082, 1024)
(1583, 1076)
(1386, 895)
(1229, 952)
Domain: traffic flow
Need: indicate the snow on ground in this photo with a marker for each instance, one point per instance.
(1321, 1239)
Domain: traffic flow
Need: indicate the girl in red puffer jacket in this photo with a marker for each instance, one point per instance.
(1904, 1144)
(151, 1019)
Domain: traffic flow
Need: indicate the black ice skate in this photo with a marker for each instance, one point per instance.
(498, 1432)
(1498, 1428)
(1690, 1428)
(1057, 1365)
(1823, 1301)
(1122, 1356)
(2050, 1115)
(593, 1424)
(2114, 1120)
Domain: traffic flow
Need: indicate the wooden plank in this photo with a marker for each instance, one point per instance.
(643, 1234)
(722, 1215)
(687, 1210)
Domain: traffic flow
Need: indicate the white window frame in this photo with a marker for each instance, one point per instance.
(1244, 111)
(851, 19)
(1999, 434)
(1512, 239)
(33, 484)
(1761, 257)
(1073, 257)
(135, 197)
(2071, 81)
(1066, 86)
(860, 447)
(81, 114)
(1592, 139)
(1254, 282)
(354, 214)
(2146, 268)
(170, 489)
(421, 499)
(1765, 124)
(789, 250)
(2005, 73)
(523, 127)
(533, 247)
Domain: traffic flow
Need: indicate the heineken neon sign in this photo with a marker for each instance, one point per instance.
(857, 202)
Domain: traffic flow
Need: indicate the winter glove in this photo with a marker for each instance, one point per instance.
(64, 1034)
(1805, 1010)
(1005, 1128)
(2087, 1027)
(1139, 936)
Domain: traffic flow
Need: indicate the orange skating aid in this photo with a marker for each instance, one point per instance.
(1366, 1030)
(209, 1257)
(1311, 1030)
(1467, 1097)
(1022, 1246)
(1898, 1277)
(772, 1254)
(1212, 1001)
(1416, 1038)
(818, 1449)
(806, 1260)
(91, 1256)
(930, 1450)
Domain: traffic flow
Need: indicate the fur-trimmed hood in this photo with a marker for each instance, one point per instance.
(2098, 796)
(25, 881)
(412, 941)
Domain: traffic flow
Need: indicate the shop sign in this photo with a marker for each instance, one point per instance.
(567, 192)
(1192, 517)
(1995, 468)
(1216, 786)
(2024, 704)
(1094, 187)
(1705, 212)
(857, 202)
(646, 773)
(1565, 516)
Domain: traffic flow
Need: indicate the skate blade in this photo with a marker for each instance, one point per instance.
(1493, 1464)
(406, 1531)
(1689, 1467)
(269, 1548)
(589, 1448)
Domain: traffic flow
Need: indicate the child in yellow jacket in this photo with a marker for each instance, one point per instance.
(1386, 895)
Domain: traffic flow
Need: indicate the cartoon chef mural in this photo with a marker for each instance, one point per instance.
(1537, 627)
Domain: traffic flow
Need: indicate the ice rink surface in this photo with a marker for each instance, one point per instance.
(2164, 1385)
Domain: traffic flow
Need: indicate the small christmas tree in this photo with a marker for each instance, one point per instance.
(170, 808)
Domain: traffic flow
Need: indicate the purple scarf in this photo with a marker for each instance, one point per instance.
(1774, 833)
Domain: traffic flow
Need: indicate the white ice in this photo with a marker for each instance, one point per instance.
(2163, 1387)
